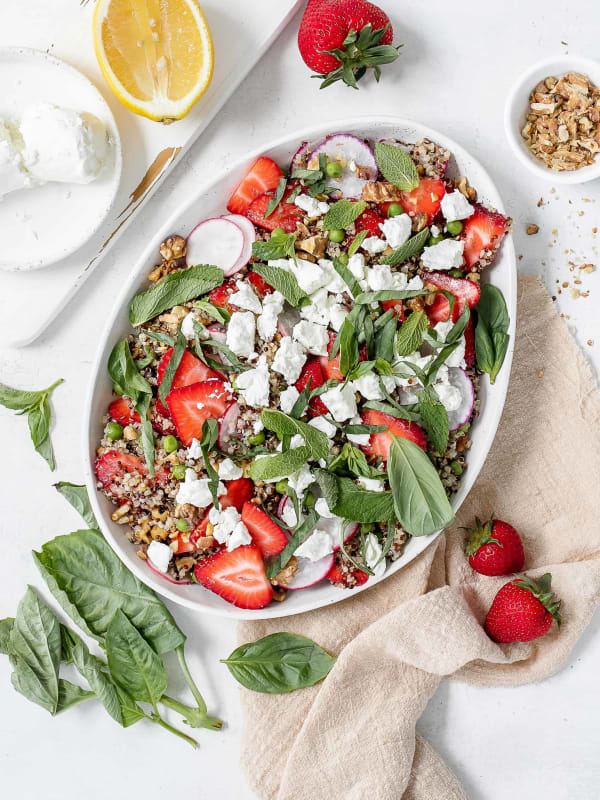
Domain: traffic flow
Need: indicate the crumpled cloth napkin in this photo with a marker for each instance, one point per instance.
(355, 731)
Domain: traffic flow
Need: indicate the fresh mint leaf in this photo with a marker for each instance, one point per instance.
(356, 242)
(275, 248)
(294, 543)
(328, 485)
(175, 289)
(435, 419)
(342, 214)
(78, 497)
(277, 197)
(133, 664)
(279, 465)
(410, 334)
(172, 366)
(284, 425)
(284, 282)
(396, 166)
(220, 314)
(491, 332)
(407, 250)
(420, 501)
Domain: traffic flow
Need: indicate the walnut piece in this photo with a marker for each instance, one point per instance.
(380, 192)
(287, 574)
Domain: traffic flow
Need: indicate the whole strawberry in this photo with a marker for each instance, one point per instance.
(523, 610)
(341, 39)
(495, 548)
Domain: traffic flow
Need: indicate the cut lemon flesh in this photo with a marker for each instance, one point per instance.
(156, 55)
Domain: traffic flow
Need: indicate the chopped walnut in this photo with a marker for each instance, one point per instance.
(380, 192)
(465, 188)
(532, 229)
(315, 245)
(419, 222)
(287, 574)
(173, 252)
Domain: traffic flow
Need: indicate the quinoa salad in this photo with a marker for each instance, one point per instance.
(296, 397)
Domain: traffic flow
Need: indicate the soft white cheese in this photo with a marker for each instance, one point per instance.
(60, 144)
(159, 555)
(239, 536)
(281, 263)
(289, 359)
(449, 395)
(455, 206)
(322, 509)
(312, 207)
(228, 527)
(368, 386)
(312, 336)
(335, 283)
(13, 175)
(318, 545)
(380, 277)
(321, 424)
(288, 515)
(253, 384)
(319, 308)
(240, 333)
(258, 425)
(310, 276)
(288, 398)
(373, 553)
(337, 315)
(371, 484)
(195, 490)
(229, 471)
(396, 230)
(300, 481)
(457, 356)
(374, 245)
(356, 265)
(340, 402)
(444, 255)
(272, 307)
(194, 450)
(245, 298)
(187, 326)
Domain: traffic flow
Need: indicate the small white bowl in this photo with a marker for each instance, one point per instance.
(517, 104)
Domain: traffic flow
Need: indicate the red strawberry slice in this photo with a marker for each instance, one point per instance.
(285, 216)
(463, 289)
(312, 371)
(439, 310)
(191, 406)
(379, 443)
(369, 221)
(352, 576)
(261, 287)
(397, 306)
(113, 465)
(190, 370)
(425, 199)
(331, 369)
(238, 577)
(220, 296)
(265, 533)
(239, 492)
(200, 529)
(482, 234)
(263, 176)
(122, 411)
(182, 546)
(469, 344)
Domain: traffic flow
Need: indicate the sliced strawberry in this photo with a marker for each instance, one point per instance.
(190, 370)
(397, 306)
(463, 289)
(265, 533)
(261, 287)
(425, 199)
(122, 411)
(439, 310)
(200, 529)
(191, 406)
(285, 216)
(220, 296)
(482, 234)
(263, 176)
(469, 344)
(238, 577)
(313, 371)
(160, 419)
(369, 221)
(331, 368)
(347, 576)
(379, 443)
(113, 465)
(238, 492)
(183, 545)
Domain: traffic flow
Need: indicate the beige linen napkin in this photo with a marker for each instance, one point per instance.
(356, 730)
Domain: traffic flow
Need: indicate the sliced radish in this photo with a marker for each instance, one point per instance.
(287, 319)
(217, 332)
(350, 152)
(461, 381)
(311, 572)
(281, 505)
(166, 576)
(216, 241)
(228, 425)
(249, 232)
(330, 526)
(300, 157)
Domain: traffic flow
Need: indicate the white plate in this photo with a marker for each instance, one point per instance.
(48, 223)
(209, 202)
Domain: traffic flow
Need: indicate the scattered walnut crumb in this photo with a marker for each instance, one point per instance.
(532, 229)
(587, 268)
(590, 342)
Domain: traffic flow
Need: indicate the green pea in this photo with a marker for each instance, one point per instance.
(455, 227)
(258, 438)
(178, 471)
(182, 525)
(170, 444)
(333, 169)
(309, 500)
(337, 235)
(114, 431)
(344, 258)
(456, 467)
(457, 273)
(395, 209)
(434, 240)
(278, 233)
(281, 486)
(366, 527)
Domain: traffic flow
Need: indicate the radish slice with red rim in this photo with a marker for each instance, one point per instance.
(228, 425)
(328, 525)
(216, 241)
(166, 576)
(300, 157)
(350, 152)
(461, 381)
(311, 572)
(249, 232)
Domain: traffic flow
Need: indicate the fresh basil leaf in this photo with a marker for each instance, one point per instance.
(172, 366)
(410, 248)
(279, 465)
(356, 242)
(420, 501)
(130, 711)
(410, 333)
(491, 331)
(35, 650)
(210, 434)
(302, 402)
(124, 373)
(158, 336)
(283, 425)
(369, 331)
(345, 274)
(397, 411)
(457, 331)
(19, 399)
(147, 432)
(6, 626)
(175, 289)
(383, 367)
(384, 340)
(342, 214)
(349, 353)
(291, 198)
(434, 366)
(279, 663)
(94, 671)
(39, 420)
(275, 248)
(328, 485)
(366, 298)
(220, 314)
(77, 496)
(396, 166)
(357, 465)
(133, 664)
(435, 419)
(362, 505)
(277, 197)
(294, 543)
(90, 582)
(69, 695)
(283, 282)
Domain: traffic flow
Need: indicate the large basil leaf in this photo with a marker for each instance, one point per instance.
(175, 289)
(491, 332)
(91, 584)
(134, 665)
(94, 671)
(284, 425)
(6, 626)
(361, 505)
(420, 500)
(279, 663)
(69, 694)
(77, 496)
(435, 418)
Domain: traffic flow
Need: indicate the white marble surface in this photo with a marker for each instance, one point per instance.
(453, 74)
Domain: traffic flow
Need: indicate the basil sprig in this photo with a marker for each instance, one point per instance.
(279, 663)
(435, 418)
(176, 288)
(491, 331)
(396, 166)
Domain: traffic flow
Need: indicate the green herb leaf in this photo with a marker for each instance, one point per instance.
(133, 664)
(279, 663)
(275, 248)
(175, 289)
(6, 626)
(172, 366)
(397, 411)
(284, 425)
(69, 695)
(396, 166)
(294, 543)
(349, 353)
(388, 294)
(434, 367)
(384, 340)
(279, 465)
(124, 373)
(356, 242)
(19, 399)
(420, 501)
(77, 496)
(220, 314)
(210, 434)
(407, 250)
(410, 333)
(342, 214)
(94, 671)
(345, 274)
(491, 331)
(158, 336)
(284, 282)
(435, 419)
(362, 505)
(39, 420)
(277, 197)
(328, 485)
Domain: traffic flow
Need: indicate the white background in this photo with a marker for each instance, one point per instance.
(454, 72)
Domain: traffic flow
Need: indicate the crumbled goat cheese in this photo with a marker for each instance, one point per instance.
(240, 333)
(322, 509)
(281, 263)
(337, 315)
(318, 545)
(321, 424)
(159, 555)
(373, 553)
(396, 230)
(373, 245)
(457, 356)
(245, 298)
(228, 527)
(312, 336)
(288, 515)
(253, 384)
(444, 255)
(229, 471)
(356, 265)
(319, 308)
(371, 484)
(194, 450)
(300, 481)
(195, 490)
(310, 276)
(272, 307)
(187, 326)
(312, 207)
(289, 359)
(368, 386)
(455, 206)
(258, 426)
(449, 395)
(340, 402)
(335, 283)
(288, 398)
(380, 277)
